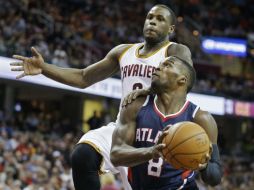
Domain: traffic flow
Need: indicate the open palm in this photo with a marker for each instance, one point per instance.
(29, 65)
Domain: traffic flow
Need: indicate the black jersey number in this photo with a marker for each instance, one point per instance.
(137, 86)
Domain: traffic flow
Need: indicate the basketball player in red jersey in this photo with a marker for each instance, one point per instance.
(137, 138)
(136, 62)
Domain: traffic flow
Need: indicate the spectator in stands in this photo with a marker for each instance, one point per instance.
(95, 121)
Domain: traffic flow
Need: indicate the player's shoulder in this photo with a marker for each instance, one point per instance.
(204, 117)
(206, 120)
(118, 50)
(136, 104)
(181, 51)
(121, 48)
(201, 114)
(131, 110)
(175, 47)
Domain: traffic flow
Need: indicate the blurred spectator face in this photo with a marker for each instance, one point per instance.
(157, 24)
(60, 58)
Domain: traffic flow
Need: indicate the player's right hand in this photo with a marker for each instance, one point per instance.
(156, 150)
(29, 65)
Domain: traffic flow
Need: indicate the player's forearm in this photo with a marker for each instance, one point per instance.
(213, 173)
(69, 76)
(129, 156)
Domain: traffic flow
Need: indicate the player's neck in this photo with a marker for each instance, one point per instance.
(150, 47)
(170, 103)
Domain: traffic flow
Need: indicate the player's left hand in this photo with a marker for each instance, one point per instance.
(206, 159)
(133, 95)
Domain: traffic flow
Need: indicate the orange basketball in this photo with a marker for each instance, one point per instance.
(186, 145)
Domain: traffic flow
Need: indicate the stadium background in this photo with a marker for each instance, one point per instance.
(39, 124)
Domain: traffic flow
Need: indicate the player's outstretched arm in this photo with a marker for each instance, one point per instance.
(81, 78)
(122, 151)
(212, 173)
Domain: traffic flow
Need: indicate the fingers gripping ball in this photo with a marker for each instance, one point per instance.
(187, 146)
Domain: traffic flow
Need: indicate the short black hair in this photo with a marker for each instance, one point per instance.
(173, 16)
(191, 74)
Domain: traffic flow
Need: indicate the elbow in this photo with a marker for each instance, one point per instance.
(84, 80)
(114, 158)
(213, 180)
(83, 85)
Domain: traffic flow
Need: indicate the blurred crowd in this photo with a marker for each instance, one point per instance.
(219, 18)
(35, 152)
(35, 146)
(225, 85)
(78, 33)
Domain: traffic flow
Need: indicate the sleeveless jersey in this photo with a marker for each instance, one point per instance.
(157, 174)
(137, 70)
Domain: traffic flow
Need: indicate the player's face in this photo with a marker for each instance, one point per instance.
(157, 24)
(167, 75)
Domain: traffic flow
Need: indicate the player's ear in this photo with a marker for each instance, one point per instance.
(171, 29)
(182, 80)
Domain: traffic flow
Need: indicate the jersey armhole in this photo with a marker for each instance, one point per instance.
(195, 111)
(124, 51)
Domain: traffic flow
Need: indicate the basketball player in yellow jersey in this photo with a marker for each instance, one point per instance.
(136, 62)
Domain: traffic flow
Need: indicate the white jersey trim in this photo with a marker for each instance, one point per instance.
(173, 114)
(195, 111)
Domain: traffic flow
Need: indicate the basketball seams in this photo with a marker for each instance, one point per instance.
(183, 149)
(173, 135)
(177, 154)
(183, 165)
(186, 140)
(179, 163)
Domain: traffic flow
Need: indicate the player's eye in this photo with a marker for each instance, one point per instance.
(149, 17)
(160, 18)
(166, 64)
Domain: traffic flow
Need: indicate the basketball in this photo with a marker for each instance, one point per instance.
(186, 145)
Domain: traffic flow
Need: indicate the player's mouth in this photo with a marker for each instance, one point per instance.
(150, 30)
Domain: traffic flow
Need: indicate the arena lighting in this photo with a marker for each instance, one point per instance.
(195, 32)
(239, 108)
(224, 46)
(109, 88)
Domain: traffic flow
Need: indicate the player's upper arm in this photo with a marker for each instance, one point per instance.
(206, 120)
(104, 68)
(181, 51)
(126, 126)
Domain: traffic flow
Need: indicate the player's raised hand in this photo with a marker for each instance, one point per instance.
(29, 65)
